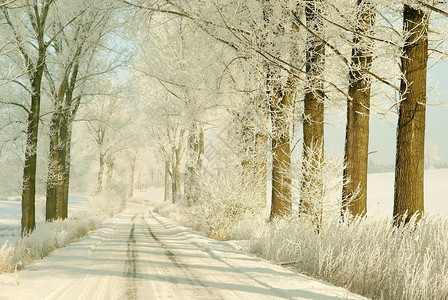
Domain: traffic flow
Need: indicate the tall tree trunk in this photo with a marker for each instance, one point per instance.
(55, 167)
(62, 205)
(166, 195)
(132, 181)
(37, 13)
(354, 190)
(53, 162)
(99, 187)
(261, 169)
(175, 188)
(281, 204)
(69, 113)
(409, 168)
(194, 163)
(67, 168)
(313, 121)
(28, 221)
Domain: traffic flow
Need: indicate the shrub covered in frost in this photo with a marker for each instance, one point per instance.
(225, 202)
(368, 256)
(43, 240)
(107, 204)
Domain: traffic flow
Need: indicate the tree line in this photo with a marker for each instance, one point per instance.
(273, 67)
(290, 60)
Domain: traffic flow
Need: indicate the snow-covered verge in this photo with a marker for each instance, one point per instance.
(368, 256)
(18, 252)
(43, 240)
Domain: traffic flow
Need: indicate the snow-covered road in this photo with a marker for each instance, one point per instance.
(140, 255)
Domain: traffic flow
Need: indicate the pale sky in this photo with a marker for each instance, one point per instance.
(383, 132)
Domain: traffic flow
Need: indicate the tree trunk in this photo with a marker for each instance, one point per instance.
(281, 204)
(110, 163)
(313, 120)
(354, 190)
(99, 187)
(175, 188)
(409, 168)
(194, 163)
(53, 162)
(66, 179)
(62, 205)
(166, 195)
(71, 108)
(131, 184)
(28, 221)
(55, 167)
(261, 170)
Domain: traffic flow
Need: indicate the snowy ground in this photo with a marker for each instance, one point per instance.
(380, 193)
(10, 214)
(140, 255)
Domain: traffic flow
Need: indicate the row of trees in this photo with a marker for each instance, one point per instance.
(55, 54)
(284, 61)
(272, 68)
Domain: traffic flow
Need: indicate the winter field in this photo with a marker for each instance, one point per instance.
(381, 193)
(139, 253)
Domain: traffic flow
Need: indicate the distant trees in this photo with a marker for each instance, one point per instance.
(109, 125)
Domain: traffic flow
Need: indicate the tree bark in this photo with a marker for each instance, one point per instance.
(166, 195)
(281, 204)
(62, 201)
(53, 163)
(175, 188)
(409, 167)
(28, 221)
(99, 187)
(132, 181)
(354, 190)
(194, 163)
(69, 113)
(313, 120)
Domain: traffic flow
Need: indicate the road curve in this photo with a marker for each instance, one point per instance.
(140, 255)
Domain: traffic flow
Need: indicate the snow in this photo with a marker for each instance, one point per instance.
(141, 255)
(380, 193)
(11, 212)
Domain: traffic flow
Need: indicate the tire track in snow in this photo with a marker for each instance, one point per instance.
(131, 264)
(189, 276)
